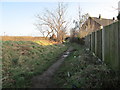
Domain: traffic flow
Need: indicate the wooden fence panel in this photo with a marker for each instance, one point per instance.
(90, 42)
(113, 43)
(119, 44)
(105, 45)
(87, 41)
(98, 43)
(93, 42)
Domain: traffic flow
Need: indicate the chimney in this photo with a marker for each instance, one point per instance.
(118, 17)
(113, 18)
(100, 16)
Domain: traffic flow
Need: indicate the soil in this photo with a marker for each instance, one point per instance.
(45, 80)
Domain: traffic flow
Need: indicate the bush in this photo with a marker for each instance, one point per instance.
(77, 40)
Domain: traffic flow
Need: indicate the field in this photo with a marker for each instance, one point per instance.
(21, 60)
(39, 40)
(21, 38)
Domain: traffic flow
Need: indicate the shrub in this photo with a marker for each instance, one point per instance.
(77, 40)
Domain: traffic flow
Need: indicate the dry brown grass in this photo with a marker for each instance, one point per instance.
(39, 40)
(21, 38)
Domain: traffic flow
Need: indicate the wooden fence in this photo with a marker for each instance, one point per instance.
(105, 43)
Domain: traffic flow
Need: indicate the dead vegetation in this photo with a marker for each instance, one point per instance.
(21, 38)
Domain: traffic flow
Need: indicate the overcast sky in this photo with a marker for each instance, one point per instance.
(17, 17)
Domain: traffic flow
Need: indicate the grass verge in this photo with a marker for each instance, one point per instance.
(82, 70)
(21, 60)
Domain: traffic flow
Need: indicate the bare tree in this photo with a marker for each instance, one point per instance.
(78, 22)
(41, 30)
(81, 18)
(54, 21)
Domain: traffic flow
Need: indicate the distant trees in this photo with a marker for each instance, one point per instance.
(55, 22)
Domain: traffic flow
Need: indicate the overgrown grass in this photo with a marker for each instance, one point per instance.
(81, 69)
(21, 60)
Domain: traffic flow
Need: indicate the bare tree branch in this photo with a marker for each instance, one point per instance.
(54, 20)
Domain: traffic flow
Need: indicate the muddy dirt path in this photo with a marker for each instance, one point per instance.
(45, 80)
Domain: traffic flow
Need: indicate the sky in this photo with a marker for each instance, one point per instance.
(17, 17)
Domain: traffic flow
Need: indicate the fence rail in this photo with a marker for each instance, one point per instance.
(105, 43)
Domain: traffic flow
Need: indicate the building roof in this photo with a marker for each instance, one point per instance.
(103, 21)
